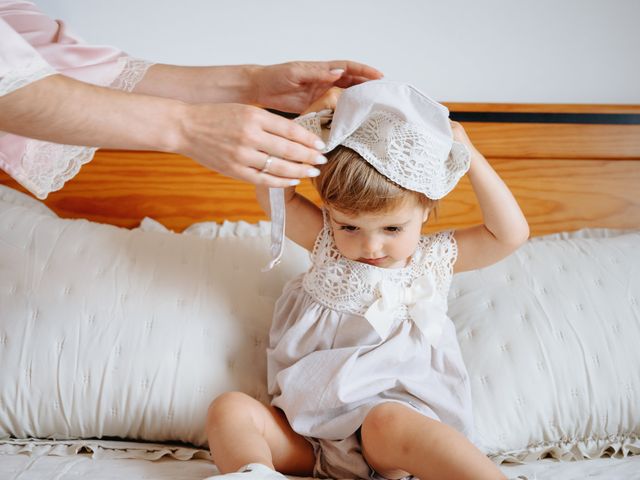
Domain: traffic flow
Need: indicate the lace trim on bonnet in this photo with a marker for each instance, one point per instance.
(405, 155)
(348, 286)
(46, 166)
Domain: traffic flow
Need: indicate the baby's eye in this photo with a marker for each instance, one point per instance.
(348, 228)
(393, 229)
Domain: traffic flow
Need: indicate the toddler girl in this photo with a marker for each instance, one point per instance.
(363, 363)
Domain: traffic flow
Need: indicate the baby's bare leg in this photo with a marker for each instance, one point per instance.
(242, 430)
(397, 440)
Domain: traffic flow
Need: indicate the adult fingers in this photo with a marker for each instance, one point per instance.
(285, 169)
(290, 141)
(356, 69)
(318, 73)
(332, 71)
(290, 151)
(346, 81)
(256, 177)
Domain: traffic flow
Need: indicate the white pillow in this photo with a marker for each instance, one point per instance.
(111, 332)
(551, 338)
(9, 195)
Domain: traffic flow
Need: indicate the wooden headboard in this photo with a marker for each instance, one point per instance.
(569, 166)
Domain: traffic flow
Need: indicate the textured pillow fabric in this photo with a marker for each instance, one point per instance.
(551, 338)
(131, 333)
(11, 196)
(110, 332)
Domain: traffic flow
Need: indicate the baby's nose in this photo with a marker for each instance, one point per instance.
(372, 246)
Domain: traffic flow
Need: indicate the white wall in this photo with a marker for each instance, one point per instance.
(549, 51)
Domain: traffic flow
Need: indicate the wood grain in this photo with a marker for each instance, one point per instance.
(556, 194)
(564, 176)
(537, 140)
(559, 194)
(541, 108)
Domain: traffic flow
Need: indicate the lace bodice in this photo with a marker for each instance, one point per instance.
(349, 286)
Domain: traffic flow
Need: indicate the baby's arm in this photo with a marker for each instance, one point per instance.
(505, 227)
(303, 218)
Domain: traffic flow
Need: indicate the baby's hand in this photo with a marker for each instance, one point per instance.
(459, 134)
(327, 101)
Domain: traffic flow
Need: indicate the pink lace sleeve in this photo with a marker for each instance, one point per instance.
(32, 46)
(20, 63)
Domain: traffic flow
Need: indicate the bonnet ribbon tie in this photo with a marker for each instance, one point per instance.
(276, 201)
(313, 122)
(425, 307)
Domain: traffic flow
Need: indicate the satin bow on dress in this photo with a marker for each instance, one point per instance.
(426, 308)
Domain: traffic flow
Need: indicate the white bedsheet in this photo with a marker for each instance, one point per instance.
(600, 468)
(82, 466)
(57, 461)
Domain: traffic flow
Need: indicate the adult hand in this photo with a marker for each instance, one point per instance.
(293, 86)
(241, 140)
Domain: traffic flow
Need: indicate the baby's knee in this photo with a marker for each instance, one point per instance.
(382, 420)
(384, 429)
(229, 406)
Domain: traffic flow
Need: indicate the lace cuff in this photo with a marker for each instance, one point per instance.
(132, 71)
(45, 166)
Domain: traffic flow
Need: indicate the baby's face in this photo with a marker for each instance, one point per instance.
(385, 240)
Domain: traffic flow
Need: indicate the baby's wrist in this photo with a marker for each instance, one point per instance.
(476, 159)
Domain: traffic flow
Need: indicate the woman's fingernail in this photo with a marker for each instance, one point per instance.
(313, 172)
(294, 182)
(319, 144)
(321, 160)
(337, 71)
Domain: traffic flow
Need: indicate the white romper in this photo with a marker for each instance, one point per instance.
(328, 366)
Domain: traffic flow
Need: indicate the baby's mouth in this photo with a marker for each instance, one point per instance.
(373, 261)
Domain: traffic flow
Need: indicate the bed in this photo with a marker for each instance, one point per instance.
(117, 330)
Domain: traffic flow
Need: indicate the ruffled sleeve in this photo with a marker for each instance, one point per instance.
(33, 46)
(20, 63)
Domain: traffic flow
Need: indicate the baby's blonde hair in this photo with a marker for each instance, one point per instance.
(351, 185)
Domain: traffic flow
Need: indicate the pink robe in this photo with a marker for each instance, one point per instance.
(32, 47)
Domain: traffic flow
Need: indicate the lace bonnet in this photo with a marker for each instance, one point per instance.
(402, 133)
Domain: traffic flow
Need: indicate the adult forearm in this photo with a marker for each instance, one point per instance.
(218, 84)
(63, 110)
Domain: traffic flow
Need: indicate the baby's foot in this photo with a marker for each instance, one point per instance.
(252, 471)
